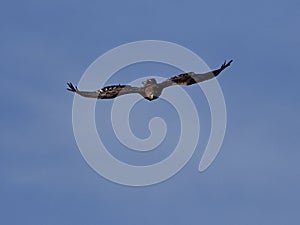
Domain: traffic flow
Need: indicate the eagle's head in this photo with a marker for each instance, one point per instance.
(149, 82)
(151, 97)
(151, 89)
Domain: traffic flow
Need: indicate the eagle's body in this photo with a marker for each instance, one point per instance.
(151, 89)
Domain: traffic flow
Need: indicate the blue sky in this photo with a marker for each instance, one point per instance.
(255, 178)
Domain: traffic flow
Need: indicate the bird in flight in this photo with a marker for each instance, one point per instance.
(151, 89)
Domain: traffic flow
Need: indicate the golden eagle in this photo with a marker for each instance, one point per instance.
(151, 89)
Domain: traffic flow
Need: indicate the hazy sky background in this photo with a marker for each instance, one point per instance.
(255, 178)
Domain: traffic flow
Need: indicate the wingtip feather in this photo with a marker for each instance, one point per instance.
(71, 87)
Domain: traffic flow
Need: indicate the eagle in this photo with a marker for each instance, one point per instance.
(150, 90)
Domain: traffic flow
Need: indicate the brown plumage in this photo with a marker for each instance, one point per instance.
(151, 89)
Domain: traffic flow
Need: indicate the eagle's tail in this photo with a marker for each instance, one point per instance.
(71, 87)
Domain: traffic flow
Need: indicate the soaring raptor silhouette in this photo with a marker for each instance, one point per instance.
(151, 89)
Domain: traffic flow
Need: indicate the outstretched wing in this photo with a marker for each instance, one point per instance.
(192, 78)
(117, 90)
(107, 92)
(181, 79)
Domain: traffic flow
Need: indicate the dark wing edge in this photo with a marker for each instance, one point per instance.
(71, 87)
(114, 91)
(192, 78)
(181, 79)
(107, 92)
(225, 64)
(218, 71)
